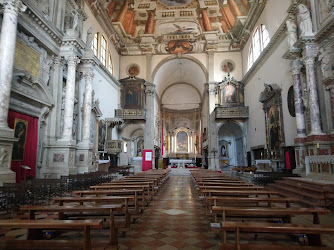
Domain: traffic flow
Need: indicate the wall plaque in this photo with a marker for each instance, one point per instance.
(27, 58)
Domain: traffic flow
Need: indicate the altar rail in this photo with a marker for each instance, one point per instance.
(320, 164)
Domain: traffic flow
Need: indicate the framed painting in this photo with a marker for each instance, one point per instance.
(132, 96)
(182, 141)
(20, 132)
(223, 151)
(229, 94)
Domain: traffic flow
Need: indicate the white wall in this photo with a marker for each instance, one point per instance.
(273, 70)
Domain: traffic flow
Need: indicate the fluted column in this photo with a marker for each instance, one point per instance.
(89, 76)
(330, 87)
(123, 11)
(296, 66)
(309, 57)
(11, 9)
(149, 27)
(206, 21)
(72, 62)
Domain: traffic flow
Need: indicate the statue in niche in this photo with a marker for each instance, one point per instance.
(46, 70)
(89, 38)
(75, 14)
(291, 31)
(305, 22)
(324, 58)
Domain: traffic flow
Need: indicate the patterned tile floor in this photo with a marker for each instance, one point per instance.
(174, 220)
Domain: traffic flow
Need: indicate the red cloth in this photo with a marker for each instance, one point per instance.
(30, 148)
(287, 161)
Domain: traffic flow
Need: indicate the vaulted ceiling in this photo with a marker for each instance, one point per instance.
(177, 26)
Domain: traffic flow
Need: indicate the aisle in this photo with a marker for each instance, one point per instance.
(174, 220)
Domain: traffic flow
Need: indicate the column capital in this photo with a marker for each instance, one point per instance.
(72, 60)
(89, 75)
(296, 66)
(13, 6)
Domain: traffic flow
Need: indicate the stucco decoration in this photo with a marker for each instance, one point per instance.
(133, 70)
(178, 28)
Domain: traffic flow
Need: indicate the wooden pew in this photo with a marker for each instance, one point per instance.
(313, 231)
(35, 233)
(266, 212)
(79, 210)
(231, 188)
(232, 184)
(246, 193)
(122, 200)
(139, 207)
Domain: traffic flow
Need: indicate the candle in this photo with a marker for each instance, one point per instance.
(272, 153)
(318, 145)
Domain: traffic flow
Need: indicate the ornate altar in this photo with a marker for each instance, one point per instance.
(132, 98)
(272, 106)
(230, 99)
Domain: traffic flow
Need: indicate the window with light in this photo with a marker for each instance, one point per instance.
(103, 56)
(95, 44)
(260, 40)
(110, 68)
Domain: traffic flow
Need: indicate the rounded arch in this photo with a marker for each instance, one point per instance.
(172, 57)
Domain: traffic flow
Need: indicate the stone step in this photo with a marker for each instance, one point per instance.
(300, 185)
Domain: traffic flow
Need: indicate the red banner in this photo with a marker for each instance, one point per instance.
(25, 149)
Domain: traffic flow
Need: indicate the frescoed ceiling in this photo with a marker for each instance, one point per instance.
(177, 26)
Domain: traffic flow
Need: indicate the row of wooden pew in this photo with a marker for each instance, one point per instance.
(117, 202)
(239, 207)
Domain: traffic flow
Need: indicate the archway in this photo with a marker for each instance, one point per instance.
(231, 144)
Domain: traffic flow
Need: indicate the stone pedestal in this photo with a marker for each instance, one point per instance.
(84, 158)
(6, 148)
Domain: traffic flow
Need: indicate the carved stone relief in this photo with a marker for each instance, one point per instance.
(3, 157)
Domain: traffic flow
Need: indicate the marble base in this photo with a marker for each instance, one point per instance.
(61, 160)
(7, 176)
(299, 171)
(84, 159)
(7, 140)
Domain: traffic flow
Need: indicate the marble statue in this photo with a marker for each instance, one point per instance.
(89, 38)
(324, 58)
(291, 31)
(75, 19)
(305, 22)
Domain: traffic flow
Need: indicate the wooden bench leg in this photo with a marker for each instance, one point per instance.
(237, 239)
(87, 244)
(314, 240)
(113, 230)
(35, 234)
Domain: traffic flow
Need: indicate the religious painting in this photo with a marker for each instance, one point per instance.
(229, 94)
(182, 141)
(58, 157)
(227, 66)
(291, 102)
(20, 132)
(223, 150)
(140, 147)
(102, 135)
(132, 97)
(273, 126)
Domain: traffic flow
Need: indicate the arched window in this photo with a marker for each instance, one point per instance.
(110, 67)
(95, 44)
(103, 56)
(265, 36)
(256, 44)
(260, 40)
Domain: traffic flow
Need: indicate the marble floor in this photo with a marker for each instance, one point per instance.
(175, 219)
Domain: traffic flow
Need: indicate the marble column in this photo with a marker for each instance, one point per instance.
(72, 62)
(11, 9)
(123, 11)
(309, 56)
(87, 105)
(296, 66)
(212, 136)
(149, 124)
(330, 87)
